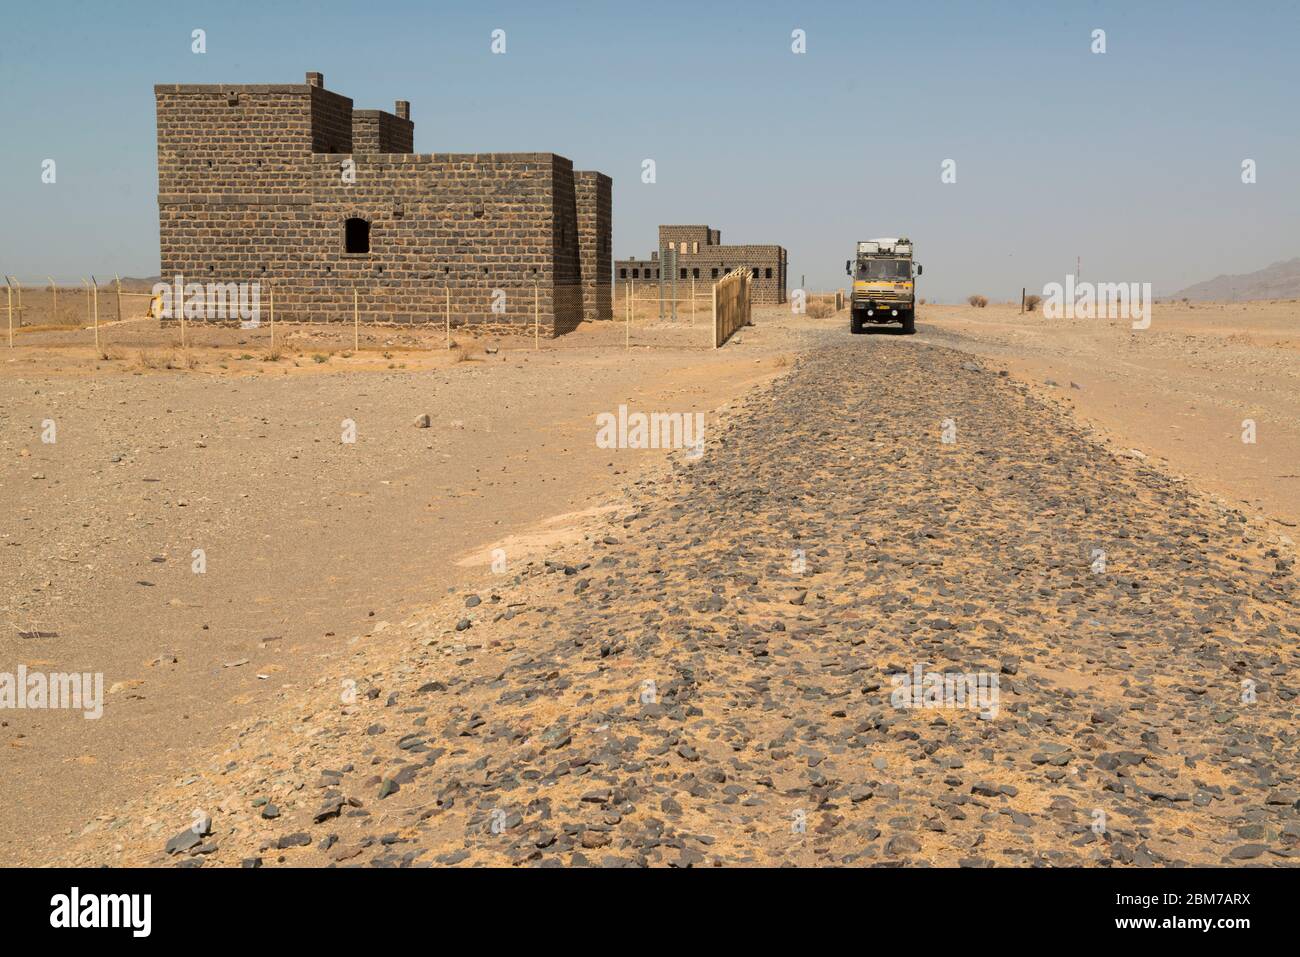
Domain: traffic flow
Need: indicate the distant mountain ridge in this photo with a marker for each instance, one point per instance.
(1281, 280)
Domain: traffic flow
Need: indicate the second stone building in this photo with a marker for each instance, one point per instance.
(701, 257)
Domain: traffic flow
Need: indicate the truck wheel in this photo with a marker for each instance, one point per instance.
(855, 324)
(909, 323)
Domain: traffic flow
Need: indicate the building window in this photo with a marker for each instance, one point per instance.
(636, 274)
(683, 276)
(695, 247)
(622, 273)
(768, 273)
(715, 272)
(755, 272)
(356, 235)
(683, 249)
(695, 273)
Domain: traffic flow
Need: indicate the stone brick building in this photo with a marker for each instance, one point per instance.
(702, 257)
(289, 185)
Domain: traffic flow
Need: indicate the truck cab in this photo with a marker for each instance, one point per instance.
(884, 284)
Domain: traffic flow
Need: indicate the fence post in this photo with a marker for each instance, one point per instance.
(714, 327)
(692, 299)
(54, 289)
(117, 281)
(447, 317)
(627, 323)
(271, 303)
(356, 322)
(660, 265)
(537, 321)
(9, 290)
(1022, 300)
(87, 285)
(674, 284)
(96, 285)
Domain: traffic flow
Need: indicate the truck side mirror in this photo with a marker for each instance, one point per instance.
(848, 267)
(919, 269)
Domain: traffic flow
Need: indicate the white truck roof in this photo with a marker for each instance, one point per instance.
(899, 246)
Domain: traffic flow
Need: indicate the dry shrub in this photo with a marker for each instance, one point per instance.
(1031, 302)
(273, 354)
(819, 310)
(979, 302)
(146, 359)
(180, 360)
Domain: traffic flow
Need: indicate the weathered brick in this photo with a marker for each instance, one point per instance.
(251, 188)
(702, 257)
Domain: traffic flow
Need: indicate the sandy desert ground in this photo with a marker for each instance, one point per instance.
(504, 718)
(305, 537)
(1178, 391)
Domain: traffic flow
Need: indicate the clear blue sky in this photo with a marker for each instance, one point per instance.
(1130, 160)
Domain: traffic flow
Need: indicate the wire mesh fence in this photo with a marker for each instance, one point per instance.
(29, 304)
(99, 313)
(523, 308)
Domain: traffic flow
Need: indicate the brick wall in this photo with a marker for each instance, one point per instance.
(216, 142)
(690, 235)
(375, 131)
(251, 188)
(595, 230)
(331, 121)
(767, 264)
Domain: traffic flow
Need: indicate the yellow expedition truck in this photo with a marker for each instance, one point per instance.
(884, 287)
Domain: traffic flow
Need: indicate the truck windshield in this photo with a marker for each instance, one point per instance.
(885, 269)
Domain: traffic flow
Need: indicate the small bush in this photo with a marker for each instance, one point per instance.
(819, 310)
(180, 360)
(1031, 303)
(979, 302)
